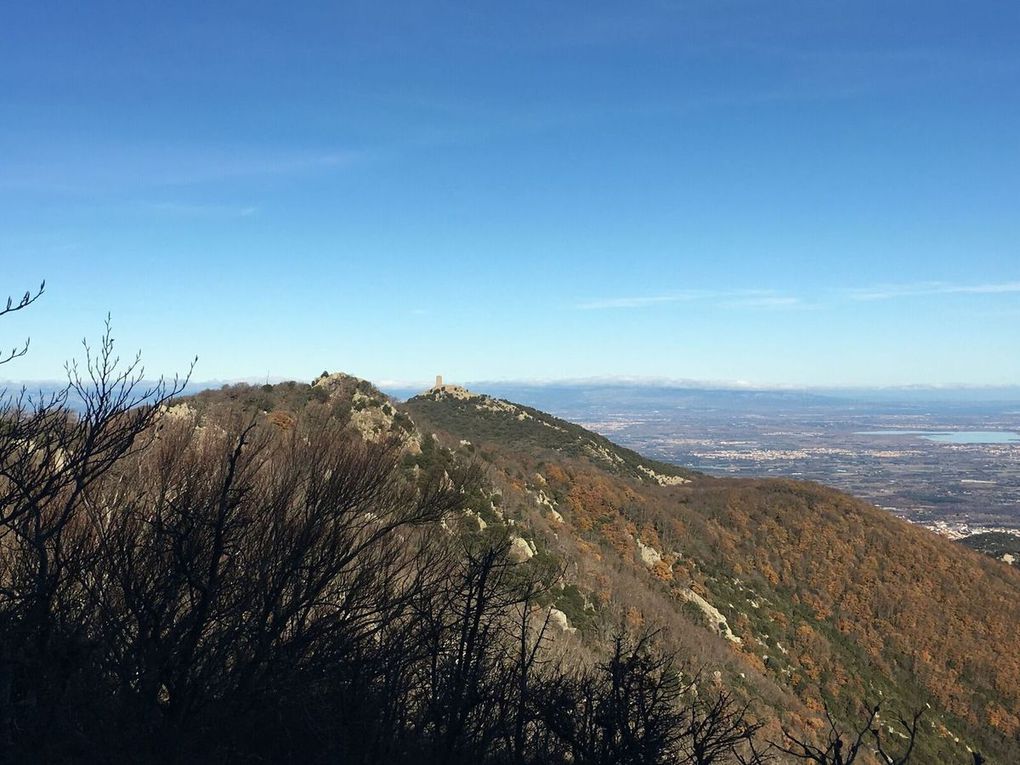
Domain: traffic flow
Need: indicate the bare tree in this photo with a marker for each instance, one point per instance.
(16, 305)
(481, 656)
(841, 748)
(52, 460)
(719, 729)
(910, 733)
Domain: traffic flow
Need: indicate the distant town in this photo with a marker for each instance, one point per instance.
(951, 466)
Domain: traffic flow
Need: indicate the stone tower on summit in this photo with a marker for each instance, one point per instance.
(444, 389)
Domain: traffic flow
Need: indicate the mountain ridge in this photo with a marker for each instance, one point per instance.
(796, 594)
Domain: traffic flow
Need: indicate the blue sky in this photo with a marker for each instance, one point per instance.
(813, 192)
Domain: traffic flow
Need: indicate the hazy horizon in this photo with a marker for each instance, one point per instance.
(905, 393)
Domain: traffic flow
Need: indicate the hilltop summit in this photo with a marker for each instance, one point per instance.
(445, 390)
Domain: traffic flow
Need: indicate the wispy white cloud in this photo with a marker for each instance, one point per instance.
(749, 299)
(769, 302)
(918, 289)
(772, 300)
(119, 168)
(201, 210)
(644, 301)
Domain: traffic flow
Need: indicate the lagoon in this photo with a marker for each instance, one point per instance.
(953, 436)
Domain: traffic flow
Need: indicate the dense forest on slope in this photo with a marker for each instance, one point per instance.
(832, 599)
(318, 573)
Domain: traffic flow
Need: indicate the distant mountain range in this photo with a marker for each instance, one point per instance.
(635, 392)
(725, 395)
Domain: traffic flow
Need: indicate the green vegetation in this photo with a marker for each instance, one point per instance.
(486, 420)
(994, 543)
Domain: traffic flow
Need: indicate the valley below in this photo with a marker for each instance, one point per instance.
(953, 467)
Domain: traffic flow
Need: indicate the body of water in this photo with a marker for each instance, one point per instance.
(953, 436)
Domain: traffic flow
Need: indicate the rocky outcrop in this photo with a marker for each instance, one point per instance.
(713, 614)
(661, 479)
(521, 549)
(649, 555)
(559, 619)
